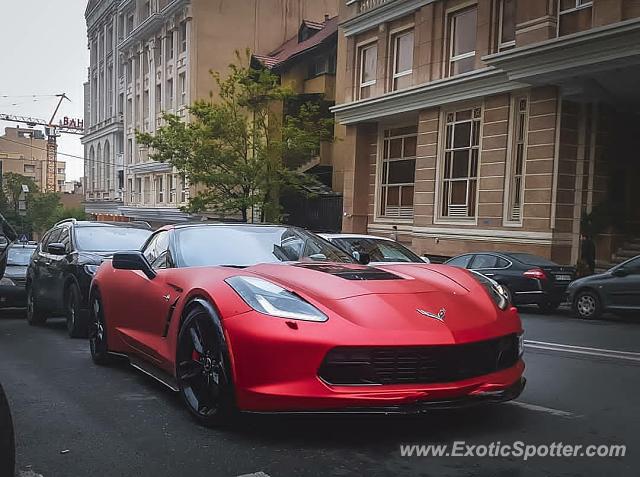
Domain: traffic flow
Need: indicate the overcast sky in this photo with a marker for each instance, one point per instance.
(44, 52)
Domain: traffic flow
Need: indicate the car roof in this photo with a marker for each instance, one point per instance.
(356, 236)
(88, 223)
(206, 223)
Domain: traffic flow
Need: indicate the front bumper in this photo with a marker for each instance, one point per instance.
(13, 297)
(276, 366)
(425, 406)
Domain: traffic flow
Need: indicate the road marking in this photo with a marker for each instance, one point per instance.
(255, 474)
(28, 473)
(547, 410)
(584, 350)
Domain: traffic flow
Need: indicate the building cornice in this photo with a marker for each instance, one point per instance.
(112, 128)
(483, 82)
(158, 214)
(570, 55)
(382, 14)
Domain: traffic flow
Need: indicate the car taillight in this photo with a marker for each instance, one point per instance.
(535, 273)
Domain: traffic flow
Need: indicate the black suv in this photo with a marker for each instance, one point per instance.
(61, 268)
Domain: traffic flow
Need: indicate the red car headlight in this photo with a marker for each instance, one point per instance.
(273, 300)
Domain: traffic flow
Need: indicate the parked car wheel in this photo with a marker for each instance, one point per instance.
(98, 334)
(35, 316)
(203, 370)
(586, 305)
(76, 322)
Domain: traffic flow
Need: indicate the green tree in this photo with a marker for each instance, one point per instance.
(235, 148)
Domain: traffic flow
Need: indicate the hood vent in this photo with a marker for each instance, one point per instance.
(351, 272)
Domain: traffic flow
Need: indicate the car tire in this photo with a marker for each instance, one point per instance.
(76, 319)
(35, 315)
(7, 440)
(98, 334)
(203, 369)
(587, 305)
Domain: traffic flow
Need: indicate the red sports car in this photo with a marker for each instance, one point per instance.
(266, 318)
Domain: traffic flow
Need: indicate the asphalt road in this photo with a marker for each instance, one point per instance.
(75, 419)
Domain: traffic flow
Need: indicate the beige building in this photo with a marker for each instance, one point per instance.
(161, 55)
(23, 151)
(488, 124)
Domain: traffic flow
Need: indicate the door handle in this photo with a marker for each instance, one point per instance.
(489, 274)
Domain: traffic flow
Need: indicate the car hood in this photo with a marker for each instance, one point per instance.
(399, 298)
(337, 281)
(94, 258)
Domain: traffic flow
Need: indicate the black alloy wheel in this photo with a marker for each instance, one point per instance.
(35, 316)
(98, 334)
(203, 369)
(76, 324)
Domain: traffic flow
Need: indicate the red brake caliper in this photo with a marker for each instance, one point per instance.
(195, 355)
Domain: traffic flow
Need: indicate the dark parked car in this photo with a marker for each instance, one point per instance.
(7, 443)
(12, 287)
(527, 278)
(64, 263)
(616, 290)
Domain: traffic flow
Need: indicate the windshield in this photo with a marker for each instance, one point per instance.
(248, 245)
(379, 250)
(19, 255)
(110, 239)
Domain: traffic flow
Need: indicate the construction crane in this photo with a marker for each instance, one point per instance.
(52, 131)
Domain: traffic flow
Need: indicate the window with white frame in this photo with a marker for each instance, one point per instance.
(183, 37)
(183, 89)
(138, 194)
(368, 62)
(506, 24)
(518, 153)
(567, 6)
(460, 163)
(462, 41)
(172, 188)
(402, 57)
(169, 94)
(160, 189)
(170, 45)
(184, 190)
(398, 172)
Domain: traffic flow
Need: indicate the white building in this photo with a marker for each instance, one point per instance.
(154, 56)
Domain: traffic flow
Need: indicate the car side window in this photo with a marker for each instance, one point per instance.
(501, 262)
(54, 237)
(65, 238)
(484, 261)
(633, 267)
(157, 249)
(42, 248)
(461, 261)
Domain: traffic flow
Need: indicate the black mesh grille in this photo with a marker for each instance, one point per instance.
(418, 364)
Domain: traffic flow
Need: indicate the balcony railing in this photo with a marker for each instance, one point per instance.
(366, 5)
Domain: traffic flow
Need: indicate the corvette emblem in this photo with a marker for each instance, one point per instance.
(436, 316)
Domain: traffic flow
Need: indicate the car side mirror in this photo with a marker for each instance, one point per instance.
(133, 261)
(57, 249)
(363, 258)
(425, 259)
(620, 272)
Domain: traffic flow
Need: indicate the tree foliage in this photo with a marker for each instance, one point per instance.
(41, 209)
(236, 149)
